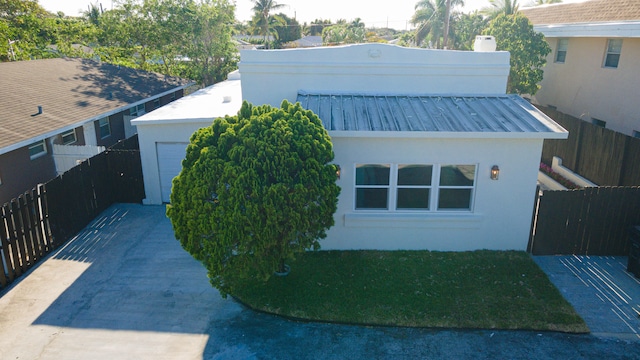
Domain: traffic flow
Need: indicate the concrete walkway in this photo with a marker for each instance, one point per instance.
(600, 290)
(124, 289)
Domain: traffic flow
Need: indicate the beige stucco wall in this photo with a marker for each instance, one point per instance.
(583, 88)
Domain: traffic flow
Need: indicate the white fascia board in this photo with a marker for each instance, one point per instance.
(447, 135)
(623, 29)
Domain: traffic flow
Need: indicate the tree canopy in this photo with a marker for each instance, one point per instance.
(187, 38)
(528, 49)
(255, 189)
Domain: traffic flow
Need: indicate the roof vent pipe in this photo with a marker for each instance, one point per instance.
(484, 43)
(39, 110)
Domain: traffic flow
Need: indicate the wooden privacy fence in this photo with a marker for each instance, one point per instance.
(588, 221)
(606, 157)
(45, 217)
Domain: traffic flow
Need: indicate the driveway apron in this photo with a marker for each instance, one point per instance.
(123, 288)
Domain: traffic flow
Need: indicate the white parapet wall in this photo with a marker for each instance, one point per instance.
(269, 76)
(556, 165)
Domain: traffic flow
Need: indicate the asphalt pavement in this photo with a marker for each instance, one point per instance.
(124, 289)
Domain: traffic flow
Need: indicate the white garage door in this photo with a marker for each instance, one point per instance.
(170, 157)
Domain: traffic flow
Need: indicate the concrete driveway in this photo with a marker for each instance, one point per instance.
(124, 289)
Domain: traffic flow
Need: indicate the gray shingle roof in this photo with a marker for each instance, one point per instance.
(70, 91)
(499, 114)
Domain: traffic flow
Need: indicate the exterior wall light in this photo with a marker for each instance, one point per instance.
(338, 170)
(495, 172)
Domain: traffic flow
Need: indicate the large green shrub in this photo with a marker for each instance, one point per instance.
(254, 190)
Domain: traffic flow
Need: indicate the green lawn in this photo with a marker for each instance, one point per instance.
(480, 289)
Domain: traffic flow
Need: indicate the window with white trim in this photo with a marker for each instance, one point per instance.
(561, 50)
(105, 127)
(37, 149)
(69, 137)
(612, 57)
(414, 187)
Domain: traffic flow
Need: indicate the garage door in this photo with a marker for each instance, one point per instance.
(170, 157)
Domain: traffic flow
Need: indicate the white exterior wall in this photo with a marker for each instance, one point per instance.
(502, 212)
(268, 77)
(177, 121)
(584, 88)
(149, 137)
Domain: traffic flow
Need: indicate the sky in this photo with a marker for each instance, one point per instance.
(390, 13)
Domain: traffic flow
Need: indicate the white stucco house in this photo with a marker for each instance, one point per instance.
(433, 154)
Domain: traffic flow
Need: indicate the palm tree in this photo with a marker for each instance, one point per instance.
(262, 9)
(430, 18)
(93, 13)
(497, 7)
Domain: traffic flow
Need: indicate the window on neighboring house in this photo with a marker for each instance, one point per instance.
(614, 47)
(561, 50)
(137, 110)
(598, 122)
(172, 97)
(69, 137)
(37, 149)
(105, 128)
(156, 103)
(636, 133)
(414, 187)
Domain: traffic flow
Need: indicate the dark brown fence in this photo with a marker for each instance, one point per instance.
(606, 157)
(45, 217)
(588, 221)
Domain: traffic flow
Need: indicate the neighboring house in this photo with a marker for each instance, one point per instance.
(306, 42)
(433, 153)
(593, 70)
(57, 112)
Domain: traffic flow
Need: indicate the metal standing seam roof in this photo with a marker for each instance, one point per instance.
(497, 115)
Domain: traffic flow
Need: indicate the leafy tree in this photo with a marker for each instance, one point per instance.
(186, 38)
(528, 48)
(465, 29)
(316, 27)
(289, 30)
(263, 18)
(430, 20)
(498, 7)
(22, 24)
(207, 43)
(255, 190)
(345, 33)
